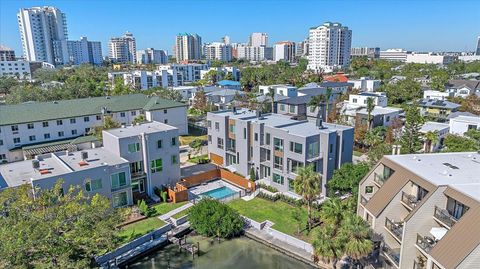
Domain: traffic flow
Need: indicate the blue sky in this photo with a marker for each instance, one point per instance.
(428, 25)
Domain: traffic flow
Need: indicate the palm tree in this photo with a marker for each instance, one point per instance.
(317, 102)
(356, 234)
(430, 137)
(307, 185)
(324, 247)
(370, 107)
(333, 212)
(328, 94)
(271, 94)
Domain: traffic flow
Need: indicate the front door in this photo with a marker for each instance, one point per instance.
(138, 185)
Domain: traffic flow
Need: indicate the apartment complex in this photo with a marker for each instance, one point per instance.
(255, 54)
(302, 48)
(144, 80)
(123, 49)
(133, 161)
(284, 51)
(372, 53)
(329, 47)
(40, 28)
(152, 56)
(258, 39)
(477, 52)
(188, 47)
(275, 146)
(6, 54)
(218, 51)
(186, 73)
(430, 58)
(21, 69)
(30, 129)
(79, 52)
(394, 55)
(424, 210)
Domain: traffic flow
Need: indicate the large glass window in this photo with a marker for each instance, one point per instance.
(455, 208)
(120, 199)
(277, 179)
(278, 163)
(93, 184)
(231, 159)
(278, 144)
(313, 150)
(231, 128)
(156, 165)
(296, 147)
(118, 180)
(136, 167)
(134, 147)
(267, 138)
(293, 165)
(291, 109)
(220, 143)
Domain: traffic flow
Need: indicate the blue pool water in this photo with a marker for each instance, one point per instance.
(219, 193)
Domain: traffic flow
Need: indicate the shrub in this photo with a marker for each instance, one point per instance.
(267, 187)
(287, 199)
(145, 209)
(163, 194)
(209, 217)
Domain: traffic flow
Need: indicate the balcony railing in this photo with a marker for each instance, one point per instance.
(117, 188)
(392, 254)
(363, 200)
(425, 243)
(409, 200)
(396, 228)
(379, 179)
(444, 217)
(231, 149)
(138, 175)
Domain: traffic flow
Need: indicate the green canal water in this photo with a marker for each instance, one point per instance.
(238, 253)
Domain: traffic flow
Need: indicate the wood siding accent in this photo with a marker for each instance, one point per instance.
(237, 180)
(218, 173)
(216, 159)
(178, 194)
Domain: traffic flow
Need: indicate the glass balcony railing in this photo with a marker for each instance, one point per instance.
(396, 228)
(443, 216)
(425, 243)
(117, 188)
(409, 200)
(392, 254)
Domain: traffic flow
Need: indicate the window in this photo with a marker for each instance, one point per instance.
(220, 143)
(122, 114)
(3, 157)
(455, 208)
(293, 165)
(30, 126)
(46, 136)
(278, 163)
(133, 113)
(354, 100)
(159, 144)
(120, 199)
(60, 134)
(209, 123)
(267, 138)
(74, 132)
(244, 133)
(134, 147)
(118, 180)
(296, 147)
(388, 119)
(14, 128)
(231, 128)
(282, 107)
(32, 138)
(98, 117)
(16, 140)
(93, 184)
(73, 121)
(165, 111)
(291, 109)
(165, 121)
(86, 119)
(331, 148)
(174, 141)
(278, 144)
(277, 179)
(174, 159)
(156, 166)
(231, 159)
(256, 136)
(59, 122)
(1, 142)
(45, 124)
(313, 150)
(291, 184)
(217, 126)
(87, 130)
(209, 139)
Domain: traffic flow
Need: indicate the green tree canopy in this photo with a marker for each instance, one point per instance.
(346, 178)
(411, 139)
(455, 143)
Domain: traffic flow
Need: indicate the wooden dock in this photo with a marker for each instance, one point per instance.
(183, 245)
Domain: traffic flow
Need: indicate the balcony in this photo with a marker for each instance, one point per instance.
(425, 243)
(395, 228)
(392, 254)
(442, 216)
(140, 174)
(117, 188)
(363, 200)
(230, 149)
(379, 179)
(409, 200)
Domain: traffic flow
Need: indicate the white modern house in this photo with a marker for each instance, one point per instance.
(280, 89)
(440, 129)
(430, 58)
(437, 95)
(365, 84)
(461, 124)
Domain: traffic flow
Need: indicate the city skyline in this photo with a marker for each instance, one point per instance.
(150, 30)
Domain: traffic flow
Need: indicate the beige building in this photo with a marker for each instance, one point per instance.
(424, 210)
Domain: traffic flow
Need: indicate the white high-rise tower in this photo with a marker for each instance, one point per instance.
(123, 49)
(329, 47)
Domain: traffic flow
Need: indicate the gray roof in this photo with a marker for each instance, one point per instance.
(135, 130)
(437, 104)
(298, 100)
(225, 92)
(44, 111)
(458, 113)
(458, 83)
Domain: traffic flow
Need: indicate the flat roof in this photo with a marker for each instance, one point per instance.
(18, 173)
(352, 110)
(44, 111)
(134, 130)
(469, 119)
(459, 170)
(431, 126)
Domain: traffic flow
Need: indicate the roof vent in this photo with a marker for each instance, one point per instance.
(35, 164)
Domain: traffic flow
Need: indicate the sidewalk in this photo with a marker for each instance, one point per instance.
(167, 216)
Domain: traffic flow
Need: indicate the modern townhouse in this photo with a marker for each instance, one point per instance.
(439, 129)
(437, 109)
(186, 73)
(222, 98)
(133, 161)
(365, 84)
(40, 124)
(280, 89)
(275, 146)
(461, 124)
(424, 210)
(144, 80)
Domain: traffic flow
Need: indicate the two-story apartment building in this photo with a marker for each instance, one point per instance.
(437, 109)
(424, 209)
(133, 161)
(143, 80)
(39, 123)
(275, 146)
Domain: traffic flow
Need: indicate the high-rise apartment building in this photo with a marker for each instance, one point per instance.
(478, 47)
(226, 40)
(258, 39)
(218, 51)
(252, 53)
(123, 49)
(369, 52)
(188, 47)
(394, 55)
(302, 48)
(40, 27)
(6, 54)
(152, 56)
(329, 47)
(79, 52)
(284, 51)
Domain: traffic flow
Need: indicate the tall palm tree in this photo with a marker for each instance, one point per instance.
(356, 233)
(370, 107)
(317, 102)
(307, 185)
(328, 94)
(271, 94)
(333, 212)
(430, 137)
(324, 247)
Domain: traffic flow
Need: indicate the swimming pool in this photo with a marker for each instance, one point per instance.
(219, 193)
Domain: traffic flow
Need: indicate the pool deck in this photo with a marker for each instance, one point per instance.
(195, 192)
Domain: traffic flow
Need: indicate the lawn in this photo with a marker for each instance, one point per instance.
(187, 139)
(164, 208)
(278, 212)
(181, 213)
(199, 159)
(139, 228)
